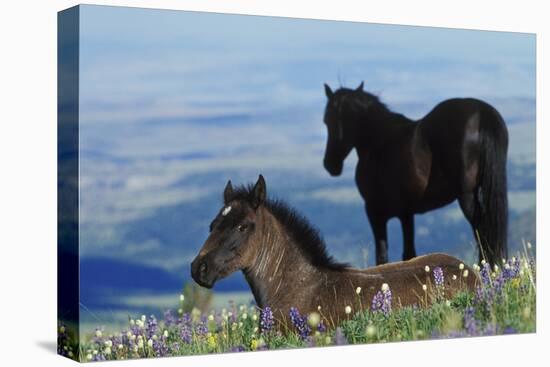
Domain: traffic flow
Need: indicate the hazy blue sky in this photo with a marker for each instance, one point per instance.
(168, 96)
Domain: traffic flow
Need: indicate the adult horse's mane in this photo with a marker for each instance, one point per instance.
(305, 235)
(364, 101)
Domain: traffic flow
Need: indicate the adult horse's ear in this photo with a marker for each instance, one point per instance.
(328, 91)
(228, 192)
(360, 87)
(259, 192)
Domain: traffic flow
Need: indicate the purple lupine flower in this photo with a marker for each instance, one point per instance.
(98, 336)
(98, 357)
(116, 340)
(300, 323)
(169, 318)
(186, 328)
(151, 326)
(485, 273)
(185, 319)
(439, 279)
(470, 323)
(510, 330)
(511, 269)
(321, 327)
(498, 283)
(381, 302)
(339, 337)
(238, 348)
(266, 319)
(186, 333)
(161, 347)
(490, 329)
(201, 328)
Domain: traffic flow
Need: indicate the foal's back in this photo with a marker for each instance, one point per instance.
(407, 278)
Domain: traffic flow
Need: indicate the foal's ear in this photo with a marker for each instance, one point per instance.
(328, 91)
(259, 192)
(360, 87)
(227, 192)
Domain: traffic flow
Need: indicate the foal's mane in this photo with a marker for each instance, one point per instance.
(306, 236)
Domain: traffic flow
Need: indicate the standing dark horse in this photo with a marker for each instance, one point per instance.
(457, 151)
(286, 263)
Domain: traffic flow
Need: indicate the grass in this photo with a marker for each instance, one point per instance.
(505, 303)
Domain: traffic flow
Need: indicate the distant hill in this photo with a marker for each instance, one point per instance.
(111, 277)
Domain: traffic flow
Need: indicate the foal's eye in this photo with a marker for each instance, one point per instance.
(242, 227)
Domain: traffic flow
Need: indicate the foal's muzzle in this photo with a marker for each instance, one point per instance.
(200, 273)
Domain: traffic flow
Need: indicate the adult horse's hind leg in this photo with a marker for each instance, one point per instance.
(407, 223)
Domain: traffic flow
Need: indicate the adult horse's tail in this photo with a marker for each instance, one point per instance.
(493, 195)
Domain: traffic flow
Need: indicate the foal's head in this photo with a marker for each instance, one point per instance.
(341, 113)
(233, 235)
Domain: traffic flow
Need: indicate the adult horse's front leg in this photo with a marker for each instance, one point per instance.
(378, 224)
(407, 224)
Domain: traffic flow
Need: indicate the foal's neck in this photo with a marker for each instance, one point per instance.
(278, 263)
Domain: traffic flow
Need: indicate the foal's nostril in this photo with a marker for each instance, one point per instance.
(202, 268)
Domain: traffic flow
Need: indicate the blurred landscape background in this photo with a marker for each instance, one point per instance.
(173, 104)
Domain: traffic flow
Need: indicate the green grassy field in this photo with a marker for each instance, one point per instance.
(504, 303)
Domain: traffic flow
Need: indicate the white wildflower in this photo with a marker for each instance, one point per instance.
(427, 269)
(313, 319)
(385, 287)
(358, 290)
(424, 287)
(465, 274)
(371, 330)
(461, 266)
(347, 310)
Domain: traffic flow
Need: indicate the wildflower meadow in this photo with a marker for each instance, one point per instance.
(503, 303)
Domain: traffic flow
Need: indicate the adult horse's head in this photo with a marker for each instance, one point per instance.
(231, 243)
(341, 132)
